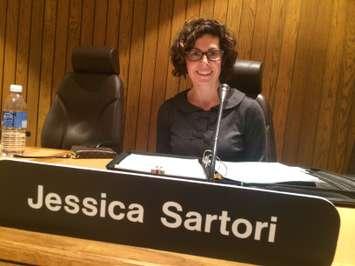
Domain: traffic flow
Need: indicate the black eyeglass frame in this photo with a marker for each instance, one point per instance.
(207, 53)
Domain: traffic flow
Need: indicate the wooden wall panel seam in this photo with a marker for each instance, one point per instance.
(135, 72)
(273, 50)
(35, 59)
(343, 105)
(106, 23)
(125, 73)
(281, 29)
(312, 98)
(17, 38)
(10, 53)
(139, 141)
(48, 44)
(54, 49)
(28, 51)
(148, 72)
(206, 8)
(60, 49)
(112, 23)
(330, 159)
(246, 29)
(218, 13)
(280, 116)
(328, 89)
(150, 129)
(67, 38)
(300, 76)
(40, 78)
(100, 24)
(87, 8)
(173, 83)
(142, 85)
(166, 10)
(265, 26)
(2, 52)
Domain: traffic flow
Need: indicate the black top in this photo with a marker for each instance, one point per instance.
(185, 129)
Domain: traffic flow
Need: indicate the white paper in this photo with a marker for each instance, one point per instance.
(245, 172)
(173, 166)
(263, 172)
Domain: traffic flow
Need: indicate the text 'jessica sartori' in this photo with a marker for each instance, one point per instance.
(173, 215)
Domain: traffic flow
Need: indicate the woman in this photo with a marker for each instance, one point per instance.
(204, 50)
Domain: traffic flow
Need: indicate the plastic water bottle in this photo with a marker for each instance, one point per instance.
(14, 122)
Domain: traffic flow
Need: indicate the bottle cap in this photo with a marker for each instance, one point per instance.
(15, 88)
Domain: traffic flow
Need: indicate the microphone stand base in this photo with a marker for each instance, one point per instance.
(216, 177)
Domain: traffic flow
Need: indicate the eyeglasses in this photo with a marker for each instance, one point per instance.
(212, 54)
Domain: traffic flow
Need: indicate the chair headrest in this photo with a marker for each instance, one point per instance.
(245, 76)
(95, 60)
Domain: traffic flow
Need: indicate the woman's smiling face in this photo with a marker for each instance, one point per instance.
(204, 71)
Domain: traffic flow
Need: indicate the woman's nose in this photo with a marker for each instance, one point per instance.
(204, 59)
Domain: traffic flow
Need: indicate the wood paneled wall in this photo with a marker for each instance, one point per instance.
(307, 46)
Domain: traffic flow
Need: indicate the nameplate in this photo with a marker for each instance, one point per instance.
(189, 216)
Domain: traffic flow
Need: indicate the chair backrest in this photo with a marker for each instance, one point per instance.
(87, 108)
(246, 76)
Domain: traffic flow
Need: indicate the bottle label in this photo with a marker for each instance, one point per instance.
(14, 120)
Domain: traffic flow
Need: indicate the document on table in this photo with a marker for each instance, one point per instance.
(263, 172)
(172, 166)
(244, 172)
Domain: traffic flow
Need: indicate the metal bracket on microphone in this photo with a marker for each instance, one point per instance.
(223, 92)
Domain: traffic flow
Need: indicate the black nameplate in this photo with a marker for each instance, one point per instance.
(209, 219)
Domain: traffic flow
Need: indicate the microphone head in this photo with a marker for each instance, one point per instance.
(223, 91)
(225, 86)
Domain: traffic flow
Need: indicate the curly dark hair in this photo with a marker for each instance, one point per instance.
(194, 29)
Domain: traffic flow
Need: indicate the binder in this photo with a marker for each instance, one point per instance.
(273, 176)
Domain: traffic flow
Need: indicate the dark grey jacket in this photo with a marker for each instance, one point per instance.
(184, 129)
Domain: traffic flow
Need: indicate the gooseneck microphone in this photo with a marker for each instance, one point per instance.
(223, 92)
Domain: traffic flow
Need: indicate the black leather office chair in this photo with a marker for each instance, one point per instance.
(87, 108)
(247, 77)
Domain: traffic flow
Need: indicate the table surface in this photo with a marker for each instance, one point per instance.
(27, 247)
